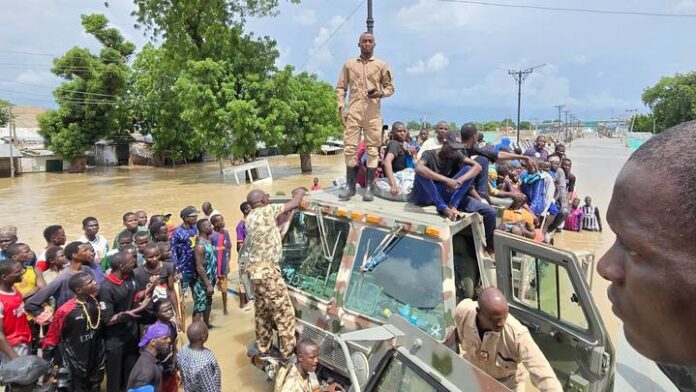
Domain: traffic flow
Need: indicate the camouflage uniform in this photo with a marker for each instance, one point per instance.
(272, 305)
(500, 353)
(290, 379)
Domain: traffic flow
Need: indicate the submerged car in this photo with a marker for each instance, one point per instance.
(352, 265)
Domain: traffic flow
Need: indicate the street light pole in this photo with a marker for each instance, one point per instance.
(559, 107)
(370, 20)
(519, 77)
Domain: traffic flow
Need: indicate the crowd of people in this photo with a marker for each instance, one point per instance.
(78, 303)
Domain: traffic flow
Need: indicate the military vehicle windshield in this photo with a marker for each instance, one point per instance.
(310, 261)
(408, 281)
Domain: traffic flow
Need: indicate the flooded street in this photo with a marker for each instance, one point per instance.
(33, 201)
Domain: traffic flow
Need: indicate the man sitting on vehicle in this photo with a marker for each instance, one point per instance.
(300, 377)
(484, 157)
(518, 220)
(538, 150)
(397, 182)
(441, 130)
(494, 341)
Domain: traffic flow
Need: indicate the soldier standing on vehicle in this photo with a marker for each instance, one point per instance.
(272, 305)
(497, 343)
(369, 80)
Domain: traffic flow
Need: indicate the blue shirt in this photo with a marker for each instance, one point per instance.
(182, 244)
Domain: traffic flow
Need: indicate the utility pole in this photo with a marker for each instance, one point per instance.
(370, 21)
(559, 107)
(519, 77)
(10, 124)
(566, 123)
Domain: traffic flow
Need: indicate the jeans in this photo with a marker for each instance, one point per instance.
(427, 192)
(488, 213)
(481, 179)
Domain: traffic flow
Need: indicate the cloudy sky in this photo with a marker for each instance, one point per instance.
(449, 59)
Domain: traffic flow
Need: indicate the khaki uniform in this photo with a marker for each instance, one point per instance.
(290, 379)
(501, 353)
(272, 304)
(360, 76)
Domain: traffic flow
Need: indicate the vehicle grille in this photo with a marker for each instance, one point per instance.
(330, 353)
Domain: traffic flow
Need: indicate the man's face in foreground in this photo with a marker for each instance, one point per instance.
(651, 267)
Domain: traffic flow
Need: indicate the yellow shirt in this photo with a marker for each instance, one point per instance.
(28, 282)
(516, 216)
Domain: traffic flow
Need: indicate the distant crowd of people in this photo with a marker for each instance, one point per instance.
(99, 311)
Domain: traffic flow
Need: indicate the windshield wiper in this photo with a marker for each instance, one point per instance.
(381, 252)
(327, 252)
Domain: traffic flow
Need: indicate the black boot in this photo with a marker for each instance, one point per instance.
(369, 183)
(349, 189)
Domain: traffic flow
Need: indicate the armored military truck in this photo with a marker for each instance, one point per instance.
(352, 265)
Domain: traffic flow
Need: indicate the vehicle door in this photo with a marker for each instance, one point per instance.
(548, 293)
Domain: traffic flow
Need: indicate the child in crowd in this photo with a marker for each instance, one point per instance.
(55, 257)
(591, 220)
(199, 369)
(124, 239)
(245, 292)
(54, 236)
(220, 238)
(76, 332)
(15, 334)
(575, 216)
(32, 280)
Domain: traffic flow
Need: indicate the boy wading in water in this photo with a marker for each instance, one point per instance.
(206, 270)
(76, 331)
(223, 245)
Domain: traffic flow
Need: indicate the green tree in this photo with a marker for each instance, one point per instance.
(672, 100)
(413, 125)
(524, 125)
(490, 126)
(643, 123)
(208, 85)
(4, 112)
(453, 126)
(508, 123)
(91, 100)
(304, 110)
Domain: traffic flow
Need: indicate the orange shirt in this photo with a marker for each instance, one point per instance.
(516, 216)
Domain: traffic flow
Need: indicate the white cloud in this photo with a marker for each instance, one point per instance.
(686, 5)
(284, 56)
(319, 53)
(428, 15)
(306, 17)
(581, 59)
(38, 78)
(435, 63)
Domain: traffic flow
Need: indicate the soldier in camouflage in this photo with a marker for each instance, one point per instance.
(272, 305)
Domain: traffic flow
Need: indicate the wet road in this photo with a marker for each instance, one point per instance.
(34, 201)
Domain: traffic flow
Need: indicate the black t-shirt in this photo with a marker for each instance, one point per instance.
(447, 168)
(142, 278)
(476, 150)
(147, 371)
(396, 148)
(116, 296)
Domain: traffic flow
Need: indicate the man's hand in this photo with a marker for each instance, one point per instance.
(209, 289)
(518, 197)
(531, 164)
(452, 183)
(375, 94)
(343, 116)
(394, 190)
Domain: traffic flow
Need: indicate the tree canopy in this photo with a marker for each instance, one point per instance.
(4, 113)
(672, 100)
(91, 100)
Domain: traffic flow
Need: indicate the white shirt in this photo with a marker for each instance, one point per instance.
(430, 144)
(100, 245)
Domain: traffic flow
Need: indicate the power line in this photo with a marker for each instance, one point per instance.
(563, 9)
(62, 89)
(326, 41)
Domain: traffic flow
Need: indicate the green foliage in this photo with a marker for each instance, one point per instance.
(525, 125)
(489, 126)
(4, 113)
(91, 99)
(508, 123)
(453, 126)
(672, 100)
(643, 123)
(413, 125)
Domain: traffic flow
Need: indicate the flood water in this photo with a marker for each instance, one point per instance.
(34, 201)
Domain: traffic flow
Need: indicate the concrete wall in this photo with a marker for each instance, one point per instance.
(106, 155)
(38, 164)
(5, 167)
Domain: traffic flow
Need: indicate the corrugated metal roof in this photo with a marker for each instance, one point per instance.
(5, 151)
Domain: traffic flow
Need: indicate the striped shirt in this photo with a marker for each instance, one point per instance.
(591, 220)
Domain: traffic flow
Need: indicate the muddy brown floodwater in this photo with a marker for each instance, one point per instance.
(34, 201)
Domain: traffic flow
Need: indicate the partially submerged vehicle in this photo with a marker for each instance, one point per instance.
(353, 265)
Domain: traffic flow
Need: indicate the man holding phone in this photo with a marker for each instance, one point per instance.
(369, 80)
